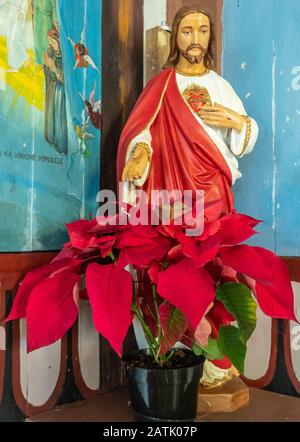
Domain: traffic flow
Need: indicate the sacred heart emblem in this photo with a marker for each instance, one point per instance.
(196, 97)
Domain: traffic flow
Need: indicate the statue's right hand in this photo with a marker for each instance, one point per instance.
(136, 165)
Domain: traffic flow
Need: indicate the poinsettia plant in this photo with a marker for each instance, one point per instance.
(191, 289)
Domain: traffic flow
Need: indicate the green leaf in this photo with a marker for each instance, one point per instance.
(197, 350)
(211, 351)
(233, 346)
(238, 301)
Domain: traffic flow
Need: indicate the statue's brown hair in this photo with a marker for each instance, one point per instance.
(174, 54)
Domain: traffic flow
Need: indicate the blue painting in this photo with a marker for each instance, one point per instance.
(50, 119)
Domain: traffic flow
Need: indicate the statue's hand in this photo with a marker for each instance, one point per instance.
(136, 165)
(221, 116)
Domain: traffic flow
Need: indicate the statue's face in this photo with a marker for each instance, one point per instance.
(193, 37)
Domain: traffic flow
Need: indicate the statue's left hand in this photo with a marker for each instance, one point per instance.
(221, 116)
(136, 165)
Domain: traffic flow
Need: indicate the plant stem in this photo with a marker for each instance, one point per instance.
(112, 256)
(147, 332)
(160, 333)
(154, 294)
(133, 294)
(192, 340)
(148, 335)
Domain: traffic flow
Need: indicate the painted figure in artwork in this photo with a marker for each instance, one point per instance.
(16, 22)
(81, 53)
(44, 19)
(56, 129)
(187, 132)
(92, 108)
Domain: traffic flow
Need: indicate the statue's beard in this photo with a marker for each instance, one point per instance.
(193, 59)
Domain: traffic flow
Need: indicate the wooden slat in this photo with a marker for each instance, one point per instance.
(13, 267)
(264, 407)
(122, 76)
(293, 264)
(22, 262)
(157, 51)
(122, 83)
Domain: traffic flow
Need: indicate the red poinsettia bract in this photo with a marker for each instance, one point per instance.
(190, 291)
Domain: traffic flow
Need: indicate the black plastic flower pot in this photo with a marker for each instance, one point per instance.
(166, 394)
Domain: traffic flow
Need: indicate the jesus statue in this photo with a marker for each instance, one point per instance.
(187, 130)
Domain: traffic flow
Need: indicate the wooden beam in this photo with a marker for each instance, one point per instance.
(122, 76)
(157, 51)
(293, 264)
(122, 83)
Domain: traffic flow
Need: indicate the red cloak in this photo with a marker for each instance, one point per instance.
(184, 156)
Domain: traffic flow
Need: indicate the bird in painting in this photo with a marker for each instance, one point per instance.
(82, 57)
(93, 108)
